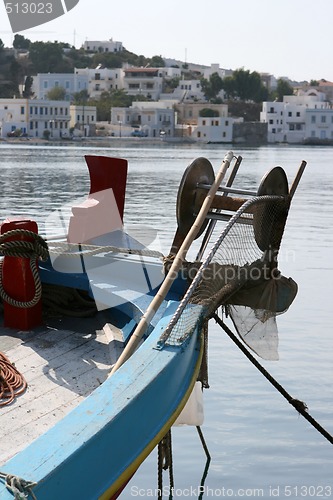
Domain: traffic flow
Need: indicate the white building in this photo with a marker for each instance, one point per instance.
(189, 112)
(102, 46)
(215, 68)
(287, 120)
(152, 118)
(83, 120)
(319, 125)
(34, 117)
(100, 80)
(70, 82)
(147, 82)
(215, 129)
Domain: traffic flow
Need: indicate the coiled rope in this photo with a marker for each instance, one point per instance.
(37, 248)
(300, 406)
(12, 382)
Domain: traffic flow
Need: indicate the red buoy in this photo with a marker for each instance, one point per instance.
(18, 281)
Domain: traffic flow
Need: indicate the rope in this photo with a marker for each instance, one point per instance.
(164, 463)
(299, 406)
(25, 249)
(12, 383)
(20, 488)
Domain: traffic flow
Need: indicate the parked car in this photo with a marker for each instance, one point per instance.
(139, 133)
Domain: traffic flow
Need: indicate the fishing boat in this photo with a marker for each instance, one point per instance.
(104, 339)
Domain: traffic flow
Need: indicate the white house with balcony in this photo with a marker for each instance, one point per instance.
(34, 116)
(287, 120)
(152, 118)
(100, 80)
(147, 82)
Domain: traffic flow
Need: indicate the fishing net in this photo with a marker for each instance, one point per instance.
(239, 273)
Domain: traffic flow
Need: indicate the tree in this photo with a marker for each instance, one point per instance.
(212, 86)
(2, 45)
(56, 94)
(27, 92)
(48, 57)
(283, 88)
(207, 112)
(20, 42)
(81, 98)
(245, 85)
(157, 62)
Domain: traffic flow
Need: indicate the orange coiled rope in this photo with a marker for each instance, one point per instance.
(12, 382)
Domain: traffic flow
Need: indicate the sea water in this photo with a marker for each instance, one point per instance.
(260, 446)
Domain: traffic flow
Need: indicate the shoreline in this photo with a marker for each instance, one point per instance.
(86, 141)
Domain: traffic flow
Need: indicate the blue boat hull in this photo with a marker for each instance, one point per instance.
(95, 449)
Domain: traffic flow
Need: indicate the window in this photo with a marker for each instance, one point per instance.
(32, 110)
(45, 124)
(203, 122)
(290, 113)
(41, 110)
(323, 119)
(78, 118)
(226, 123)
(45, 84)
(313, 118)
(271, 110)
(67, 84)
(56, 84)
(22, 110)
(298, 114)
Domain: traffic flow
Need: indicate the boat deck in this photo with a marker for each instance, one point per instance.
(62, 362)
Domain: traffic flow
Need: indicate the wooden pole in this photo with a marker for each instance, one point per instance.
(176, 265)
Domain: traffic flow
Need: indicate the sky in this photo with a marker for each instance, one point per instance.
(292, 38)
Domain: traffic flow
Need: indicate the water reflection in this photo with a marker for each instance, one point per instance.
(254, 438)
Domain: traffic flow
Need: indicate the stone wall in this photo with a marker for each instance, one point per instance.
(250, 133)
